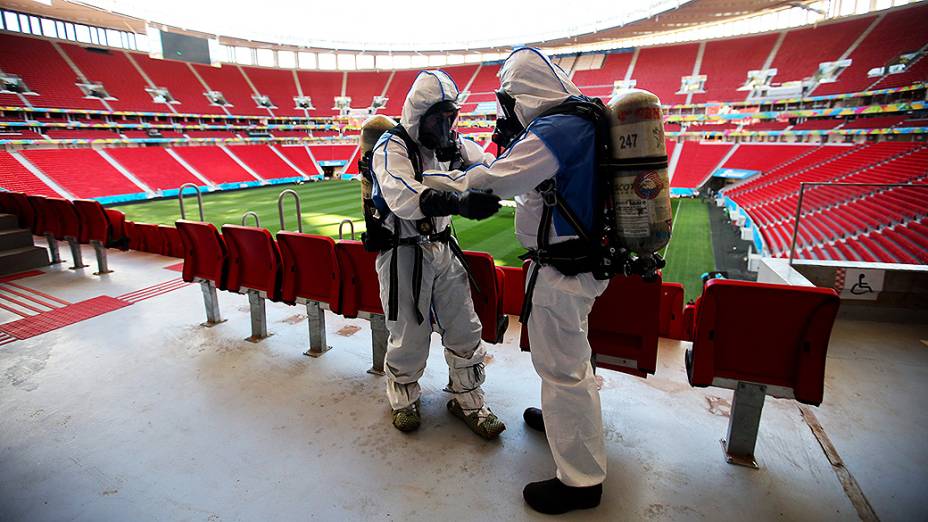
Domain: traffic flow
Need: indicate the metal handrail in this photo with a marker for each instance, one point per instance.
(299, 209)
(810, 184)
(253, 214)
(180, 199)
(340, 225)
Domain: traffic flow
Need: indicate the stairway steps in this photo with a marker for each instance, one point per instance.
(15, 238)
(8, 221)
(22, 259)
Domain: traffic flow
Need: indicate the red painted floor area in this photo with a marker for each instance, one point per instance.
(61, 317)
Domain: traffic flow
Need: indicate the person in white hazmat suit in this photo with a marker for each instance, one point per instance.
(423, 280)
(559, 147)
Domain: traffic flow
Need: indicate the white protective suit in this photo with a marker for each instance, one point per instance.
(560, 304)
(444, 298)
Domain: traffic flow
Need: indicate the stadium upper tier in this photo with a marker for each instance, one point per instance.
(52, 70)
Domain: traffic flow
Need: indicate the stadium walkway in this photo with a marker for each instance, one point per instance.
(140, 414)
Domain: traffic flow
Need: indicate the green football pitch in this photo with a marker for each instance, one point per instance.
(327, 204)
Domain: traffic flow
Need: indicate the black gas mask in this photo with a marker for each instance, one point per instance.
(508, 126)
(436, 130)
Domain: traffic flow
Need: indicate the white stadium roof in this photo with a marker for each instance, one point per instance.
(392, 26)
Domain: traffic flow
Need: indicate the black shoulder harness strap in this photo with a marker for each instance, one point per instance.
(593, 111)
(426, 228)
(411, 147)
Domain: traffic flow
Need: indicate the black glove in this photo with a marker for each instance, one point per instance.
(435, 203)
(472, 204)
(479, 204)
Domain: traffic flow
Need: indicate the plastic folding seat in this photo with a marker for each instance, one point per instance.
(736, 346)
(21, 206)
(205, 262)
(67, 227)
(253, 270)
(133, 239)
(360, 294)
(98, 230)
(117, 222)
(310, 275)
(513, 289)
(7, 205)
(149, 238)
(487, 296)
(40, 216)
(360, 289)
(671, 320)
(689, 314)
(623, 326)
(172, 244)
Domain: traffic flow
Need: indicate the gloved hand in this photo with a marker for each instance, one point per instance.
(472, 204)
(478, 204)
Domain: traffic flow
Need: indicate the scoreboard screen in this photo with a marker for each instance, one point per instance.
(176, 46)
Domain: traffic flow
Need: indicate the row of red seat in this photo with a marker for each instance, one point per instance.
(77, 222)
(735, 345)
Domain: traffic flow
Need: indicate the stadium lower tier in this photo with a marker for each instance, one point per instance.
(864, 203)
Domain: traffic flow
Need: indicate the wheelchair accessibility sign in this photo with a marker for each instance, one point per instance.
(859, 283)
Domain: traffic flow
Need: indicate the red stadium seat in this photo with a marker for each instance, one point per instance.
(117, 222)
(487, 296)
(737, 346)
(513, 289)
(360, 294)
(689, 313)
(623, 326)
(100, 228)
(310, 269)
(42, 223)
(310, 274)
(94, 223)
(205, 262)
(63, 214)
(360, 287)
(204, 252)
(63, 222)
(254, 270)
(20, 205)
(671, 321)
(149, 238)
(254, 261)
(172, 244)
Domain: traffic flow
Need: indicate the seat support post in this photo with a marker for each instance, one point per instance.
(317, 340)
(378, 343)
(76, 253)
(746, 407)
(100, 251)
(211, 302)
(53, 248)
(258, 316)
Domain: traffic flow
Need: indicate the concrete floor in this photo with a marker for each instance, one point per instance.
(141, 414)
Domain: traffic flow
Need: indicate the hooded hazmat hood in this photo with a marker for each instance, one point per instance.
(429, 88)
(536, 84)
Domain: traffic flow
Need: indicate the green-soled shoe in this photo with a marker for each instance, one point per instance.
(407, 419)
(489, 429)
